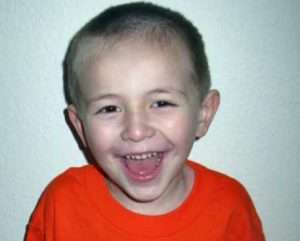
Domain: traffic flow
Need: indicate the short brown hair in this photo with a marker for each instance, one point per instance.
(120, 21)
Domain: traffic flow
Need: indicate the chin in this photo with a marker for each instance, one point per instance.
(143, 191)
(144, 197)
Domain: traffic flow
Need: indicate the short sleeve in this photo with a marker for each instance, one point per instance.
(244, 223)
(41, 219)
(34, 233)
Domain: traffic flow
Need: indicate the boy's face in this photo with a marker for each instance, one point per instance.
(142, 114)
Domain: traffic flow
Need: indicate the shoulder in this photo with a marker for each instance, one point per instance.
(219, 186)
(64, 192)
(228, 199)
(68, 185)
(72, 175)
(58, 197)
(71, 179)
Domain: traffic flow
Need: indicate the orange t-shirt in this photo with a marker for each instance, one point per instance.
(78, 206)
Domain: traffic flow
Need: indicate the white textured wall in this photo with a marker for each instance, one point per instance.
(254, 53)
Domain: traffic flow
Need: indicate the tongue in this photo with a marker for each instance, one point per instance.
(142, 167)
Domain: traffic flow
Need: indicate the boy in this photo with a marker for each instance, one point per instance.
(137, 85)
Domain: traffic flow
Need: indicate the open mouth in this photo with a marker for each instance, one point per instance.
(143, 167)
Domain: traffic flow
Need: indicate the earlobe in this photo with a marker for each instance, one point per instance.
(76, 123)
(208, 110)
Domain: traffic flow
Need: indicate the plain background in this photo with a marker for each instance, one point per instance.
(253, 50)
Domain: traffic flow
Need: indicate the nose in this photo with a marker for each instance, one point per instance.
(136, 127)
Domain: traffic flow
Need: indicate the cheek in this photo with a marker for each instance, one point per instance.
(179, 127)
(99, 136)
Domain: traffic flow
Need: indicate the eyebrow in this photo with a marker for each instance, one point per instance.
(167, 91)
(100, 97)
(151, 92)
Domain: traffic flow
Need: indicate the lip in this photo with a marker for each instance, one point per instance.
(142, 178)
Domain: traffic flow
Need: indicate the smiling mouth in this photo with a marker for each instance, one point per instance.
(143, 167)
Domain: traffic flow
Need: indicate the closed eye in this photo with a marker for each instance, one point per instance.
(162, 104)
(108, 109)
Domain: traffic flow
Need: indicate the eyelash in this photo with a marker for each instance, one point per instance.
(163, 103)
(109, 109)
(113, 109)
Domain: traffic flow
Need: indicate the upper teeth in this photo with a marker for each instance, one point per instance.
(141, 156)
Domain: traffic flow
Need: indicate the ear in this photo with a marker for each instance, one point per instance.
(76, 123)
(208, 110)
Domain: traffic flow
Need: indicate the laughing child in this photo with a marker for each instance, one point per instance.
(137, 85)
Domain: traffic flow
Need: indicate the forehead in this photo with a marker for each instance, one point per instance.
(108, 64)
